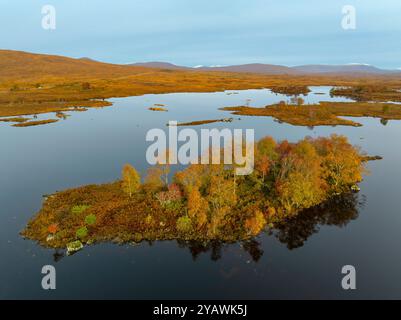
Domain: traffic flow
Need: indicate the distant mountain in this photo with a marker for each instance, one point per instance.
(348, 68)
(278, 69)
(248, 68)
(159, 65)
(254, 68)
(18, 64)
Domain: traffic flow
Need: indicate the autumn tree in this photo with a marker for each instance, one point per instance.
(255, 224)
(342, 163)
(191, 180)
(164, 166)
(197, 207)
(221, 198)
(299, 183)
(193, 176)
(153, 179)
(131, 179)
(266, 156)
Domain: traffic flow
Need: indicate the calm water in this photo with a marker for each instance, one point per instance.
(301, 260)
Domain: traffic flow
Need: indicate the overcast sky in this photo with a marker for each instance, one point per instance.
(205, 32)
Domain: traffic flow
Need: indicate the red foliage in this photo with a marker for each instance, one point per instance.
(175, 190)
(53, 228)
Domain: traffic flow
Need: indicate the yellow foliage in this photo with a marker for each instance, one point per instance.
(256, 223)
(131, 179)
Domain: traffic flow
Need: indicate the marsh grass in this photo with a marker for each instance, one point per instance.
(34, 123)
(322, 114)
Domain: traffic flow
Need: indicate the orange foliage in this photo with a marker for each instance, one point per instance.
(53, 228)
(256, 223)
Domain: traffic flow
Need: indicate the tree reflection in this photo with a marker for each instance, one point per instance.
(339, 211)
(252, 247)
(293, 232)
(58, 255)
(196, 248)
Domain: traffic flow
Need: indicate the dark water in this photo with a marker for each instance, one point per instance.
(302, 259)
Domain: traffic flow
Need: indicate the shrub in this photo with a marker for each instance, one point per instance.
(271, 212)
(184, 224)
(149, 220)
(53, 228)
(90, 219)
(137, 237)
(15, 87)
(79, 209)
(86, 86)
(255, 224)
(82, 232)
(167, 197)
(282, 103)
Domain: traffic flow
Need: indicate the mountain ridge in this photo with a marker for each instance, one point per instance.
(263, 68)
(16, 64)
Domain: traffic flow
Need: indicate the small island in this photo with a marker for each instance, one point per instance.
(202, 202)
(202, 122)
(291, 90)
(34, 123)
(322, 114)
(158, 109)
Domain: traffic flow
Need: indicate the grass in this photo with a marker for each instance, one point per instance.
(325, 113)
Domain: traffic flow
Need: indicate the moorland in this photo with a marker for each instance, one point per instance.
(32, 84)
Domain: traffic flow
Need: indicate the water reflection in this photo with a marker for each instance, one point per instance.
(339, 211)
(215, 248)
(293, 232)
(58, 255)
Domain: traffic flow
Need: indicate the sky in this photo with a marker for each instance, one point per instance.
(205, 32)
